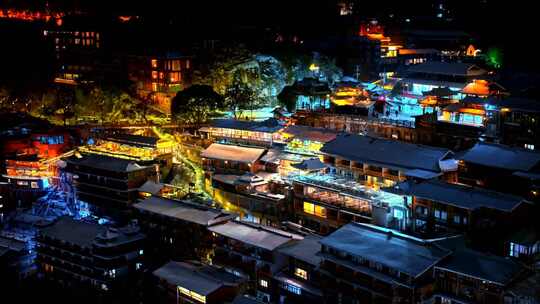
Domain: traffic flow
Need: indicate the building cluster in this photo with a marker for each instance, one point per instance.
(413, 180)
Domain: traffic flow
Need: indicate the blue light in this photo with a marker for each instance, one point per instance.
(45, 182)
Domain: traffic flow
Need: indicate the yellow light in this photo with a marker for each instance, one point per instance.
(313, 67)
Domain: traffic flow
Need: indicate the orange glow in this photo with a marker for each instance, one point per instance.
(429, 101)
(124, 18)
(59, 21)
(471, 51)
(477, 87)
(472, 111)
(26, 15)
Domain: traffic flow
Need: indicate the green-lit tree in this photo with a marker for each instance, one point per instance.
(196, 104)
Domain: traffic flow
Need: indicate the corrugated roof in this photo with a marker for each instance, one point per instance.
(255, 235)
(135, 140)
(385, 152)
(233, 153)
(403, 253)
(458, 195)
(501, 156)
(183, 211)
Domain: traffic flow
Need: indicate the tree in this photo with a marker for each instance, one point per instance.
(287, 98)
(196, 104)
(240, 97)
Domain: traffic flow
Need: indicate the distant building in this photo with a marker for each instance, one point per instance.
(159, 77)
(76, 253)
(219, 158)
(186, 282)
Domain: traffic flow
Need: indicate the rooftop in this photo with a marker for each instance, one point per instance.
(481, 266)
(270, 125)
(185, 211)
(305, 250)
(458, 195)
(104, 162)
(395, 250)
(501, 156)
(385, 152)
(134, 140)
(151, 187)
(202, 279)
(255, 235)
(233, 153)
(447, 68)
(312, 164)
(310, 133)
(72, 231)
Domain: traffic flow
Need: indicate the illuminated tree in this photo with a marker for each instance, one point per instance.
(494, 57)
(240, 97)
(194, 105)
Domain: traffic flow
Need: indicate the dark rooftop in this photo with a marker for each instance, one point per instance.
(202, 279)
(501, 156)
(482, 266)
(270, 125)
(310, 133)
(255, 235)
(392, 249)
(447, 68)
(184, 211)
(458, 195)
(385, 152)
(104, 162)
(134, 140)
(305, 250)
(72, 231)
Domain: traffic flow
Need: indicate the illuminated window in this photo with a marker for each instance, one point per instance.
(191, 294)
(263, 283)
(160, 75)
(301, 273)
(187, 64)
(529, 146)
(293, 288)
(154, 63)
(313, 209)
(154, 74)
(154, 86)
(175, 65)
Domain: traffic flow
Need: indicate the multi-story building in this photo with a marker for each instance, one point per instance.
(166, 222)
(300, 281)
(380, 162)
(229, 159)
(367, 264)
(189, 282)
(77, 253)
(251, 251)
(472, 277)
(145, 150)
(159, 77)
(108, 181)
(501, 168)
(439, 208)
(255, 133)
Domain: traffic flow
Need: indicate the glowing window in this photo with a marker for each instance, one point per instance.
(192, 294)
(154, 86)
(154, 63)
(313, 209)
(301, 273)
(263, 283)
(154, 74)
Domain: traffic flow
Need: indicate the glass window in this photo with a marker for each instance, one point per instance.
(293, 288)
(263, 283)
(301, 273)
(154, 63)
(313, 209)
